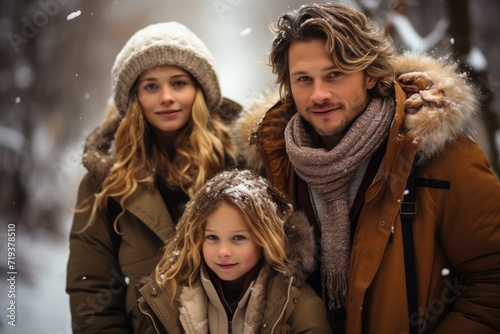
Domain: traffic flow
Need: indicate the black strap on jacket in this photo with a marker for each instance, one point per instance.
(407, 212)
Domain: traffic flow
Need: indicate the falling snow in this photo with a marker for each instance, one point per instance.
(74, 14)
(245, 32)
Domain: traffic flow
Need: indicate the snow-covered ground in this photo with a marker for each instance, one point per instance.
(42, 306)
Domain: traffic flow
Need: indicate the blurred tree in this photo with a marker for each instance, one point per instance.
(13, 195)
(446, 30)
(460, 29)
(32, 124)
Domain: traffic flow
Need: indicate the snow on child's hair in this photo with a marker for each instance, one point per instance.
(245, 187)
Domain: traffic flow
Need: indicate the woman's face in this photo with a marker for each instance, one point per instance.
(166, 94)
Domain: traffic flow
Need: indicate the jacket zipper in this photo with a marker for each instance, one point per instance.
(183, 325)
(284, 306)
(150, 317)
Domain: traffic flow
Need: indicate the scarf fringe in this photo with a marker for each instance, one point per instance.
(335, 286)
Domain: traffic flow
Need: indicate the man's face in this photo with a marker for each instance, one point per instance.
(327, 98)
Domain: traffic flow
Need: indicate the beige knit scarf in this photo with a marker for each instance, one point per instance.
(329, 173)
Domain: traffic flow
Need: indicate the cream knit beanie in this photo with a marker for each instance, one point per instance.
(169, 43)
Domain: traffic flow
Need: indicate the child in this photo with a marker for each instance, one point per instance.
(237, 264)
(165, 134)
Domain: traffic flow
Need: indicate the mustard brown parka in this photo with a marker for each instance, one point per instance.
(274, 302)
(456, 229)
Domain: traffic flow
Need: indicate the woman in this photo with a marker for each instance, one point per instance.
(164, 135)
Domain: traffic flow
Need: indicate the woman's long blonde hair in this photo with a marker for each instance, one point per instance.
(202, 149)
(261, 205)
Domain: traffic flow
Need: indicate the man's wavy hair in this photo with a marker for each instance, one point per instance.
(353, 41)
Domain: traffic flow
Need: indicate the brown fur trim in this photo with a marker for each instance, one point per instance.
(229, 111)
(98, 156)
(246, 125)
(300, 247)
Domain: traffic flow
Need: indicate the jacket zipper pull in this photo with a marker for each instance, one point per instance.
(391, 237)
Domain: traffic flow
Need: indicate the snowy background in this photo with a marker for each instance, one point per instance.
(55, 62)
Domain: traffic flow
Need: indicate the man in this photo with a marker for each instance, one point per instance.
(341, 145)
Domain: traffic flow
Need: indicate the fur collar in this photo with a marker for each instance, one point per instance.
(446, 103)
(300, 247)
(442, 106)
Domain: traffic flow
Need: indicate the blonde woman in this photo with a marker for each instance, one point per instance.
(237, 264)
(164, 135)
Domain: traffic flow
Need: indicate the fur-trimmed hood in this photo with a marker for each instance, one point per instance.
(441, 105)
(300, 247)
(99, 153)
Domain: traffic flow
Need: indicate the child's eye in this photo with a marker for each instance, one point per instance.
(211, 237)
(239, 237)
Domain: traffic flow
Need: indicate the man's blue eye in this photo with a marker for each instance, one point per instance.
(334, 74)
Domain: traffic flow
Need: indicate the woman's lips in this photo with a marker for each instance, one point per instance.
(168, 113)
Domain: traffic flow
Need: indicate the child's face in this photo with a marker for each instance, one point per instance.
(166, 94)
(229, 248)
